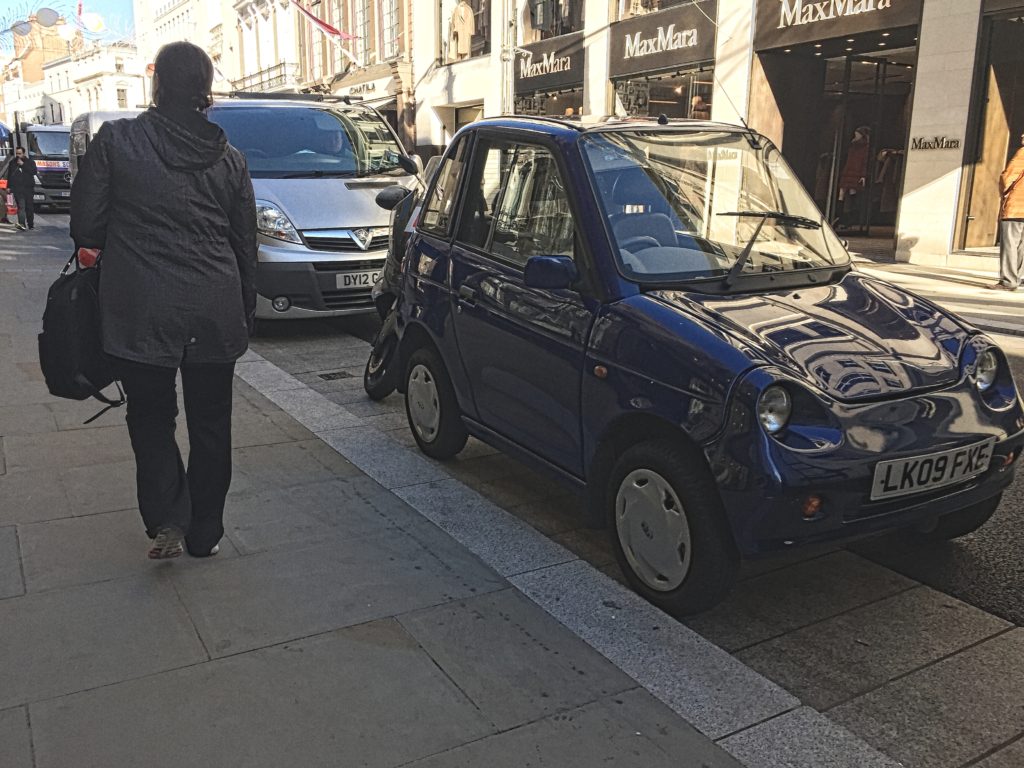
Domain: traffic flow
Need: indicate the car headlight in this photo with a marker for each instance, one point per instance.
(271, 221)
(986, 370)
(38, 182)
(774, 408)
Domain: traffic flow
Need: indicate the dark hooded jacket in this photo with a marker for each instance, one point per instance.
(170, 204)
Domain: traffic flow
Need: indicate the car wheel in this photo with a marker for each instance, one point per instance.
(431, 406)
(668, 528)
(960, 523)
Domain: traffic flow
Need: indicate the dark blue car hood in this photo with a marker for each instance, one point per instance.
(859, 338)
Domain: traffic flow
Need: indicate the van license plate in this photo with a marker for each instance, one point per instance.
(366, 279)
(902, 477)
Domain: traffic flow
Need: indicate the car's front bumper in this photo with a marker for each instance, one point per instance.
(56, 198)
(765, 486)
(309, 280)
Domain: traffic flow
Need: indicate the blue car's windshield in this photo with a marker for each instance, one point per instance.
(281, 141)
(685, 205)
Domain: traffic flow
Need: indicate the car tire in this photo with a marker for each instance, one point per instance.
(662, 490)
(431, 406)
(380, 377)
(960, 523)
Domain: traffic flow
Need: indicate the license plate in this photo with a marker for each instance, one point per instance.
(364, 279)
(63, 194)
(38, 197)
(902, 477)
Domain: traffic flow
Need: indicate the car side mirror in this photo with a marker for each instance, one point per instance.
(389, 197)
(550, 273)
(411, 165)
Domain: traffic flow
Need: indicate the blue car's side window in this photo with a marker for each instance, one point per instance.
(439, 210)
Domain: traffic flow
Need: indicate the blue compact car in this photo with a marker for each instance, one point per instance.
(656, 313)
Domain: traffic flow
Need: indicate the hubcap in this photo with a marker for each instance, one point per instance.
(424, 403)
(653, 530)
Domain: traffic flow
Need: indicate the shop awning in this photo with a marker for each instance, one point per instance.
(5, 132)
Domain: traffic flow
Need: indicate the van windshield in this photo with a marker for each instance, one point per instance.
(705, 205)
(308, 142)
(48, 143)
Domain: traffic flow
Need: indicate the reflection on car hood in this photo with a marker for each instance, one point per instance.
(329, 203)
(856, 339)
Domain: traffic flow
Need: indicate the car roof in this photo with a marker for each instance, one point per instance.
(47, 128)
(568, 128)
(239, 103)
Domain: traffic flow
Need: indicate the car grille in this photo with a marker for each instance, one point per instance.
(54, 179)
(343, 244)
(358, 299)
(347, 266)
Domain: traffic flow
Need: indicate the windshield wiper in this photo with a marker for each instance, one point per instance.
(315, 174)
(787, 218)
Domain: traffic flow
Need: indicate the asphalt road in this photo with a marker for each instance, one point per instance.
(985, 569)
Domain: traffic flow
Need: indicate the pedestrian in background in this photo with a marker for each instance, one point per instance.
(21, 181)
(1011, 223)
(170, 204)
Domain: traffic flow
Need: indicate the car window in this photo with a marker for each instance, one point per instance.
(530, 215)
(439, 208)
(483, 187)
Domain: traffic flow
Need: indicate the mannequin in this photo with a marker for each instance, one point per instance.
(460, 36)
(853, 178)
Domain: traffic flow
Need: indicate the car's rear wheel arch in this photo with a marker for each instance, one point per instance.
(414, 337)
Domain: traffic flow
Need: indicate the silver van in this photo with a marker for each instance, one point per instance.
(83, 129)
(316, 165)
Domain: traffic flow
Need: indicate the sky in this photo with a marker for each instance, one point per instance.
(116, 13)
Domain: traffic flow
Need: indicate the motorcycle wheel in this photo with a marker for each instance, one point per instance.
(380, 377)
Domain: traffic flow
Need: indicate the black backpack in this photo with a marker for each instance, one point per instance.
(70, 349)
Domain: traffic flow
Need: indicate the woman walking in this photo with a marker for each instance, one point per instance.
(170, 204)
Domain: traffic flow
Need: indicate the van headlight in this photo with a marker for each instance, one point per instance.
(986, 370)
(774, 408)
(271, 221)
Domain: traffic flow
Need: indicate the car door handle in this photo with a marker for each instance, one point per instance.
(467, 294)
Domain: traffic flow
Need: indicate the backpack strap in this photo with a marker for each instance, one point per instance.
(101, 397)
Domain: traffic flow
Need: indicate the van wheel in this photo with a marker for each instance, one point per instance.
(668, 528)
(431, 406)
(960, 523)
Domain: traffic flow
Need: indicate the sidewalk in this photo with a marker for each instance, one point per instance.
(337, 626)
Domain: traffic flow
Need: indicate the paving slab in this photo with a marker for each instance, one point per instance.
(68, 640)
(503, 541)
(268, 598)
(596, 734)
(780, 601)
(552, 516)
(101, 487)
(389, 463)
(75, 448)
(1011, 756)
(697, 680)
(309, 514)
(803, 738)
(313, 410)
(920, 722)
(15, 741)
(286, 465)
(84, 550)
(515, 662)
(837, 659)
(26, 419)
(11, 582)
(265, 377)
(255, 428)
(318, 703)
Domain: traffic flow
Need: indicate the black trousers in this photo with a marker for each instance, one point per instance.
(26, 208)
(169, 494)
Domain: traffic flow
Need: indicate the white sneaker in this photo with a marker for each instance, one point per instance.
(169, 542)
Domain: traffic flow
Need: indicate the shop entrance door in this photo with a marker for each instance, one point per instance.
(865, 119)
(1002, 123)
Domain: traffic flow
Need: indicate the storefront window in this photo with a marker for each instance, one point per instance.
(469, 28)
(627, 9)
(544, 19)
(564, 104)
(682, 94)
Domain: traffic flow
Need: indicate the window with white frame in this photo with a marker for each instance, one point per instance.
(338, 21)
(361, 28)
(389, 27)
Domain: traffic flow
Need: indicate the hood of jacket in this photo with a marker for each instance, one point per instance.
(187, 143)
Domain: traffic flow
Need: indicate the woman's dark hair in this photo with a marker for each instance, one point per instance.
(186, 76)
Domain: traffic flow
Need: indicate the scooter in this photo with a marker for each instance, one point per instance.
(380, 377)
